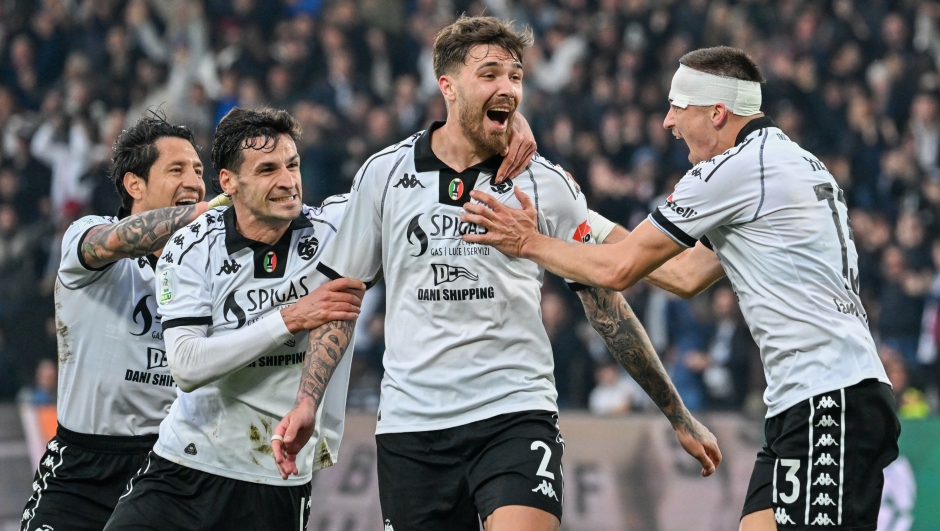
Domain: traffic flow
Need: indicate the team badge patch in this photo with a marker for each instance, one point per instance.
(270, 262)
(455, 189)
(166, 287)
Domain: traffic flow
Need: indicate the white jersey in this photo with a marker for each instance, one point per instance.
(463, 331)
(779, 224)
(113, 376)
(209, 274)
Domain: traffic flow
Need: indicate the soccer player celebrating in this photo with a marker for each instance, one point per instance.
(238, 291)
(114, 385)
(467, 424)
(779, 225)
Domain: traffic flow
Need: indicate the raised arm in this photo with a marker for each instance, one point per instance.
(328, 344)
(687, 274)
(137, 235)
(612, 318)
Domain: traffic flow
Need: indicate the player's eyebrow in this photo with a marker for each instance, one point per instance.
(265, 166)
(294, 158)
(516, 65)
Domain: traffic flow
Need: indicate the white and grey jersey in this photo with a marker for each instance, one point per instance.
(113, 376)
(463, 331)
(209, 274)
(779, 224)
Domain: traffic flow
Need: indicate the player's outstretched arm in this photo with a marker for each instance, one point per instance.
(614, 320)
(514, 232)
(327, 346)
(687, 274)
(137, 235)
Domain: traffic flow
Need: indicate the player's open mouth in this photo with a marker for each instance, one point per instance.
(285, 199)
(186, 202)
(499, 115)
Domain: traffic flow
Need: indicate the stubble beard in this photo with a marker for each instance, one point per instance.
(471, 119)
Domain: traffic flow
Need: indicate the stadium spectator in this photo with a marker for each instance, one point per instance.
(854, 82)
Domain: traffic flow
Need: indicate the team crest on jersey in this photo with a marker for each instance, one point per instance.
(270, 262)
(166, 286)
(307, 247)
(455, 189)
(500, 188)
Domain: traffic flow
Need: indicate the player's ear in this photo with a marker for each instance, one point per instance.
(227, 182)
(446, 83)
(135, 186)
(719, 115)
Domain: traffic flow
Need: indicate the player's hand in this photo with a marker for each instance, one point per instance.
(519, 151)
(700, 444)
(295, 429)
(507, 229)
(337, 300)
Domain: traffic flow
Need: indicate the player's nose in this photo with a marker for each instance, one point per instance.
(670, 121)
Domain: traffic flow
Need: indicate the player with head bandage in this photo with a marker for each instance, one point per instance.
(767, 213)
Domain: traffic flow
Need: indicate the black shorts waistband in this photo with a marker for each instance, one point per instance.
(112, 444)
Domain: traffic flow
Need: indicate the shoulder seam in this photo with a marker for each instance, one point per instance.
(372, 159)
(574, 193)
(388, 181)
(179, 261)
(744, 145)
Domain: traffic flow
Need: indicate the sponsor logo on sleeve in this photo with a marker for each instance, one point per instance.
(685, 212)
(166, 287)
(583, 233)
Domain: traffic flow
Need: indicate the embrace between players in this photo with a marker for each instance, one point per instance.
(256, 306)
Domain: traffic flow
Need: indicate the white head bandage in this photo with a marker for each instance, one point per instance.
(692, 87)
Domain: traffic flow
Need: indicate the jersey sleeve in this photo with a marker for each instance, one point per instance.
(73, 271)
(563, 210)
(356, 250)
(183, 291)
(710, 195)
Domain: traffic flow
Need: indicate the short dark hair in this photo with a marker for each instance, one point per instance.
(454, 41)
(135, 151)
(723, 61)
(242, 129)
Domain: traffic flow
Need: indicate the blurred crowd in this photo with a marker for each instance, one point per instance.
(854, 81)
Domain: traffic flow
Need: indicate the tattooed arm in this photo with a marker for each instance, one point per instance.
(327, 345)
(136, 235)
(612, 318)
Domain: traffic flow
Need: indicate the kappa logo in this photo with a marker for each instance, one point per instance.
(826, 422)
(421, 237)
(146, 317)
(190, 449)
(826, 402)
(388, 525)
(823, 499)
(308, 247)
(408, 181)
(822, 519)
(546, 488)
(501, 188)
(229, 267)
(825, 460)
(824, 479)
(826, 440)
(448, 273)
(781, 516)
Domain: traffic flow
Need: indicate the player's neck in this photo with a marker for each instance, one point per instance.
(454, 148)
(267, 231)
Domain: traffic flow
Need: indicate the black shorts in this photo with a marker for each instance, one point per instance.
(166, 496)
(453, 478)
(80, 478)
(821, 465)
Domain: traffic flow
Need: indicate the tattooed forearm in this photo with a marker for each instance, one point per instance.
(614, 320)
(137, 235)
(328, 343)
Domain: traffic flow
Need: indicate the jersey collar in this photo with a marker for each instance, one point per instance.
(426, 160)
(235, 241)
(754, 125)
